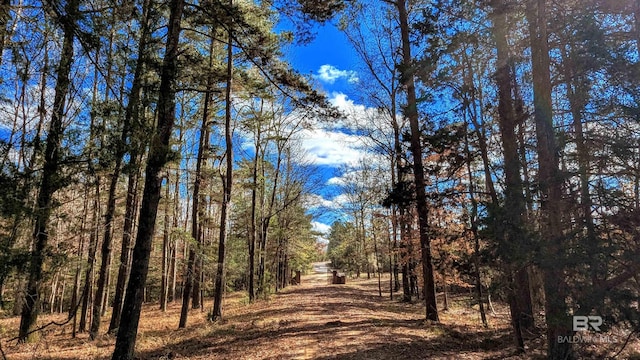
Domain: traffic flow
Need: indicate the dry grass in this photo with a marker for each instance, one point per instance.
(310, 321)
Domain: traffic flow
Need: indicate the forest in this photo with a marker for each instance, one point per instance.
(155, 161)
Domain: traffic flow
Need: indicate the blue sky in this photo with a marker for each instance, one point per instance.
(331, 61)
(329, 47)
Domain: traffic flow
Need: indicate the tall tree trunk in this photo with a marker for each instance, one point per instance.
(2, 290)
(411, 111)
(512, 228)
(173, 271)
(253, 228)
(473, 219)
(105, 299)
(50, 175)
(265, 220)
(185, 244)
(54, 291)
(550, 184)
(127, 237)
(164, 288)
(102, 284)
(198, 198)
(91, 259)
(393, 252)
(375, 252)
(227, 183)
(392, 263)
(196, 212)
(484, 154)
(400, 213)
(75, 293)
(158, 153)
(577, 95)
(61, 295)
(132, 117)
(405, 254)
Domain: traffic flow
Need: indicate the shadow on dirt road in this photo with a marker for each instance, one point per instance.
(316, 320)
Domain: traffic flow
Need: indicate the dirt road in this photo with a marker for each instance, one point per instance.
(314, 320)
(320, 321)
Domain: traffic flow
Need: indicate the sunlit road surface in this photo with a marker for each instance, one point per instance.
(318, 276)
(321, 267)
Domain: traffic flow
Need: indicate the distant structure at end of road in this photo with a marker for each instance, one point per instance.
(338, 278)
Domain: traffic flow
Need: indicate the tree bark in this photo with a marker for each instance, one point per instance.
(265, 220)
(473, 220)
(400, 214)
(91, 259)
(405, 254)
(158, 153)
(196, 212)
(375, 252)
(75, 293)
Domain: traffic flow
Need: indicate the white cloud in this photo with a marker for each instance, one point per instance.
(335, 204)
(331, 143)
(342, 102)
(331, 148)
(329, 74)
(320, 227)
(341, 142)
(359, 117)
(337, 180)
(315, 201)
(340, 201)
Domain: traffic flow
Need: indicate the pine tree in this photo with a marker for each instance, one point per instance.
(158, 156)
(50, 181)
(550, 183)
